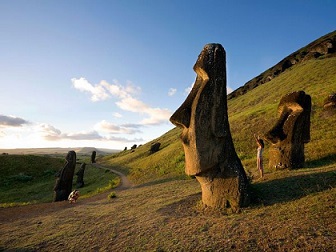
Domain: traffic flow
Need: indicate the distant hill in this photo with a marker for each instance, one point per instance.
(323, 47)
(49, 151)
(253, 112)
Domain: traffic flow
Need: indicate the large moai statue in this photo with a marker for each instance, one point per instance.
(291, 132)
(63, 185)
(80, 176)
(206, 138)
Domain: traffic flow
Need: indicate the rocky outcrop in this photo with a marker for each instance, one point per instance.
(330, 102)
(206, 138)
(322, 47)
(290, 132)
(154, 147)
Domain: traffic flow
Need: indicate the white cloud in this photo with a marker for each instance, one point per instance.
(131, 104)
(98, 92)
(229, 90)
(117, 115)
(51, 133)
(115, 129)
(156, 116)
(126, 99)
(172, 91)
(188, 89)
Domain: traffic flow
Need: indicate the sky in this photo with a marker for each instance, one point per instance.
(109, 74)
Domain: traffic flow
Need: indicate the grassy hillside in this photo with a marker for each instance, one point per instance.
(254, 112)
(290, 211)
(26, 179)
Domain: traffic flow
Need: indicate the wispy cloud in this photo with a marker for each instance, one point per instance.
(98, 92)
(117, 115)
(116, 129)
(51, 133)
(172, 91)
(127, 100)
(12, 121)
(188, 89)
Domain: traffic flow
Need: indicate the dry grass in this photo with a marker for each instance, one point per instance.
(291, 210)
(169, 217)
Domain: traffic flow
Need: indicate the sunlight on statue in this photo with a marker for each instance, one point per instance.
(206, 138)
(290, 132)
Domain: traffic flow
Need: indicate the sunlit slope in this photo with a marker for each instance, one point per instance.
(254, 112)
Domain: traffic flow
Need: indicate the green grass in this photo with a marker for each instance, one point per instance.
(27, 179)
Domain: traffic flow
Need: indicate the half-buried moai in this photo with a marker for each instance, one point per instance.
(93, 157)
(80, 176)
(63, 185)
(291, 132)
(206, 138)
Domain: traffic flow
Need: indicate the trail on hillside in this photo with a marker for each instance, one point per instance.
(125, 183)
(28, 211)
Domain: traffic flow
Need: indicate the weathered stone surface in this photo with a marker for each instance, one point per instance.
(330, 102)
(291, 132)
(206, 138)
(63, 185)
(80, 175)
(155, 147)
(93, 157)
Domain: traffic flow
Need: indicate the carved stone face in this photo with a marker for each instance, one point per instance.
(203, 115)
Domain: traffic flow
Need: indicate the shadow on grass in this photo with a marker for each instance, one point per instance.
(291, 188)
(324, 161)
(161, 181)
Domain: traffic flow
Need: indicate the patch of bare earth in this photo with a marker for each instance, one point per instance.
(169, 217)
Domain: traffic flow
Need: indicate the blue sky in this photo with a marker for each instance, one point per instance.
(109, 74)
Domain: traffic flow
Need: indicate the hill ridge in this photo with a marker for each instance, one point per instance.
(324, 46)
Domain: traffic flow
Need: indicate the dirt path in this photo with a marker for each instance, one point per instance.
(125, 183)
(28, 211)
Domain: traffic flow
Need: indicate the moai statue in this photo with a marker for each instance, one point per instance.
(80, 176)
(93, 157)
(291, 132)
(206, 138)
(63, 185)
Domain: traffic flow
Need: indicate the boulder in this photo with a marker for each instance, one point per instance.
(154, 147)
(330, 102)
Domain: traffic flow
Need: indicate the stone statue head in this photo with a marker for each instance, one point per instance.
(290, 132)
(294, 119)
(203, 115)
